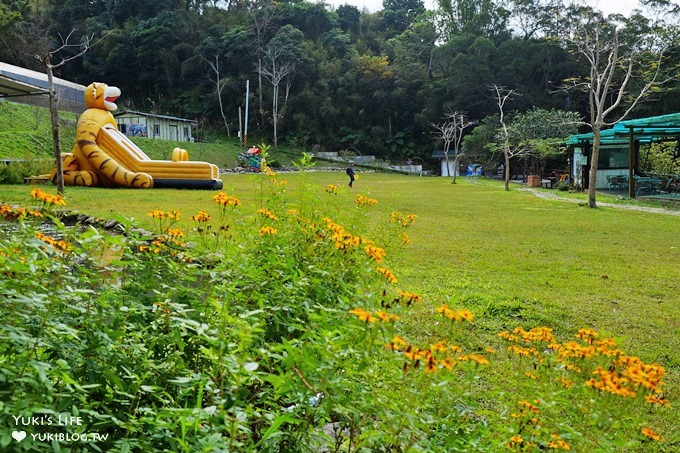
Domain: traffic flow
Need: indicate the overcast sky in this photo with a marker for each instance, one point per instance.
(606, 6)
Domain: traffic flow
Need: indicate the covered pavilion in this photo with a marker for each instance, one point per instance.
(620, 147)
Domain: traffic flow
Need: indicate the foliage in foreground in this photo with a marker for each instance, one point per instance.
(280, 331)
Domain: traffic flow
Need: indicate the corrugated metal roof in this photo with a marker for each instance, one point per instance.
(153, 115)
(645, 130)
(28, 82)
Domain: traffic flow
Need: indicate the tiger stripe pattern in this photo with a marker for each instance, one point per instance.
(94, 165)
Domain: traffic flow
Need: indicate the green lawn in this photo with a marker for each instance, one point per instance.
(510, 257)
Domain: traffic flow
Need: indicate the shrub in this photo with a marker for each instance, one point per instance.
(14, 172)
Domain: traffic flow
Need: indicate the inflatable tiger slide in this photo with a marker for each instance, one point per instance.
(105, 157)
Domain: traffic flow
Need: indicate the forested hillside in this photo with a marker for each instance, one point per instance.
(335, 78)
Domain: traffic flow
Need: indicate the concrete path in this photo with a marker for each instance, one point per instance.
(553, 196)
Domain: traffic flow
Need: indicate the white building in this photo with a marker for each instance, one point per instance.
(139, 124)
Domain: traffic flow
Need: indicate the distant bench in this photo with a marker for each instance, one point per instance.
(36, 180)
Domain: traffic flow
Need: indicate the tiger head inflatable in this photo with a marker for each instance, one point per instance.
(101, 96)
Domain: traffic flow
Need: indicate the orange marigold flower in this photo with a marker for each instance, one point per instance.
(386, 317)
(439, 346)
(448, 363)
(409, 298)
(226, 200)
(652, 399)
(477, 358)
(516, 441)
(405, 240)
(267, 231)
(649, 432)
(362, 200)
(174, 232)
(412, 353)
(397, 344)
(268, 214)
(566, 383)
(537, 334)
(558, 444)
(387, 274)
(587, 335)
(522, 351)
(376, 253)
(156, 214)
(430, 364)
(48, 198)
(528, 406)
(363, 315)
(455, 315)
(201, 217)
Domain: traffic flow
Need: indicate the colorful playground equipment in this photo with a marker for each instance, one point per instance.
(251, 159)
(105, 157)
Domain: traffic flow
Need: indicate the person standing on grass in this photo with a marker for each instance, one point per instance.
(350, 173)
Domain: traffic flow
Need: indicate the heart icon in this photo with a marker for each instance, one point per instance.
(19, 435)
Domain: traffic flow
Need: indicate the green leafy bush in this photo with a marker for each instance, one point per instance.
(14, 172)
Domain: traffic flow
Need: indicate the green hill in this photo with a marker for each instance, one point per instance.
(25, 133)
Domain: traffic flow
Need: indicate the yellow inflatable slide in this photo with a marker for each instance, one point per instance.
(105, 157)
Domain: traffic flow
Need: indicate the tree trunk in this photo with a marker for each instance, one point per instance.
(54, 118)
(507, 171)
(456, 162)
(592, 177)
(275, 113)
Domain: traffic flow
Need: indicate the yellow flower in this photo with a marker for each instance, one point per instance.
(332, 189)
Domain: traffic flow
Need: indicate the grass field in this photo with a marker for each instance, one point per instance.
(510, 257)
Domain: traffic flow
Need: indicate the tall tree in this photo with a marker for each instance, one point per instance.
(614, 64)
(52, 52)
(510, 150)
(451, 133)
